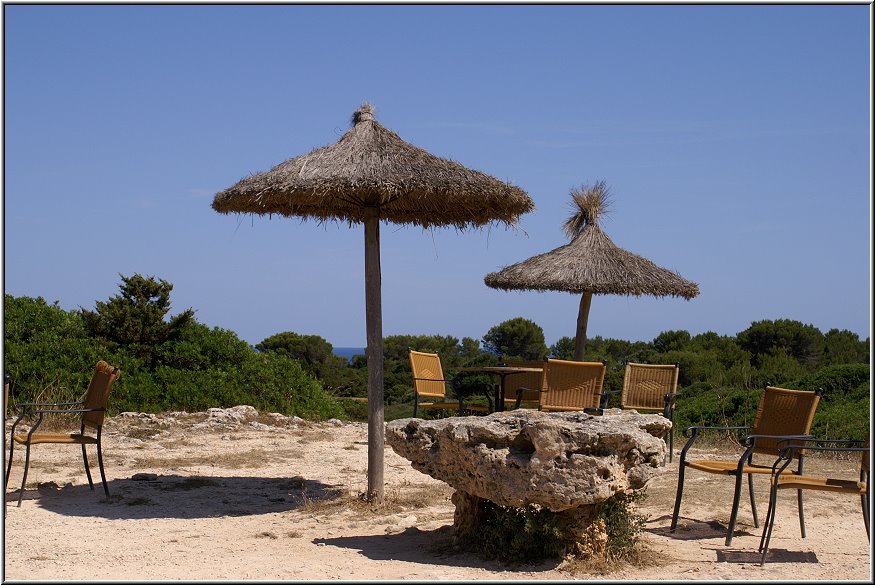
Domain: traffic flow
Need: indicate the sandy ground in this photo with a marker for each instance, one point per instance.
(197, 497)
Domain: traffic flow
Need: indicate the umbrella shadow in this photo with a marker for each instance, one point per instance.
(181, 497)
(433, 547)
(693, 529)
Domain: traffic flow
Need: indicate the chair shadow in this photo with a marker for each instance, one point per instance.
(181, 497)
(775, 555)
(694, 529)
(433, 547)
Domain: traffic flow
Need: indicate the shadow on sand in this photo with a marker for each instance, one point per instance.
(775, 555)
(424, 546)
(693, 529)
(160, 497)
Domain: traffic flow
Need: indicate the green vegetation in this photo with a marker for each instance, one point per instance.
(517, 337)
(521, 535)
(175, 363)
(533, 534)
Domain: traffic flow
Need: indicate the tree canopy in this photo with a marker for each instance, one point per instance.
(135, 319)
(516, 338)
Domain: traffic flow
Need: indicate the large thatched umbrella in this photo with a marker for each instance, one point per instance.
(372, 175)
(591, 264)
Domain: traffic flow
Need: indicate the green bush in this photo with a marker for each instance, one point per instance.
(845, 420)
(47, 349)
(521, 535)
(184, 365)
(844, 410)
(622, 522)
(533, 533)
(836, 380)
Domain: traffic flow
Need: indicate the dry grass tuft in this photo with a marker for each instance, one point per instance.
(640, 556)
(267, 534)
(315, 436)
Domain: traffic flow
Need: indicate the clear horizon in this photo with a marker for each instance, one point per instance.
(736, 141)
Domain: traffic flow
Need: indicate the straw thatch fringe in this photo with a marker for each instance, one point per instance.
(592, 263)
(371, 166)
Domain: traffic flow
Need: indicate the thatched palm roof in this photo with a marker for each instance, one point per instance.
(369, 175)
(591, 262)
(371, 166)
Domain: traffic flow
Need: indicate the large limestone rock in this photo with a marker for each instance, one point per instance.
(561, 461)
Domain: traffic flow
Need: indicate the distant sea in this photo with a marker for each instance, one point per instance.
(348, 352)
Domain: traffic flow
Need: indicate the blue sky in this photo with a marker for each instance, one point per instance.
(735, 140)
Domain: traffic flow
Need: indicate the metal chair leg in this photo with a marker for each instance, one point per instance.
(801, 512)
(733, 518)
(769, 523)
(677, 499)
(87, 468)
(799, 497)
(766, 522)
(9, 465)
(753, 504)
(100, 464)
(24, 475)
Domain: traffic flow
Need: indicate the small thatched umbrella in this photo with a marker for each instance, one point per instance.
(591, 264)
(370, 175)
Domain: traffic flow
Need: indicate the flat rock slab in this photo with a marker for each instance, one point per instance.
(556, 460)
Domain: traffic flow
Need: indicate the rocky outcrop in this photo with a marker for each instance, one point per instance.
(568, 462)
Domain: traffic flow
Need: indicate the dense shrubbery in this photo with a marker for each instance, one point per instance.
(50, 355)
(532, 533)
(176, 363)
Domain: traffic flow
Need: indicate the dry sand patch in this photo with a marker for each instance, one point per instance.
(201, 497)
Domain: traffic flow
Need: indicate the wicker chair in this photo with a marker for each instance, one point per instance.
(781, 414)
(652, 387)
(851, 487)
(92, 409)
(524, 390)
(572, 385)
(429, 383)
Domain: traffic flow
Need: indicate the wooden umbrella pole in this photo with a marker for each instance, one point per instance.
(582, 320)
(374, 324)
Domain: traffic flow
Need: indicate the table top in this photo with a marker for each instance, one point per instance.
(499, 369)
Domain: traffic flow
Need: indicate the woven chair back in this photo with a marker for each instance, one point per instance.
(571, 385)
(528, 380)
(645, 385)
(782, 412)
(428, 376)
(98, 393)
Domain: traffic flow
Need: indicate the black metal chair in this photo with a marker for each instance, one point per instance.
(781, 414)
(93, 411)
(851, 487)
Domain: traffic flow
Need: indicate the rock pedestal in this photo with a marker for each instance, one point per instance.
(567, 462)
